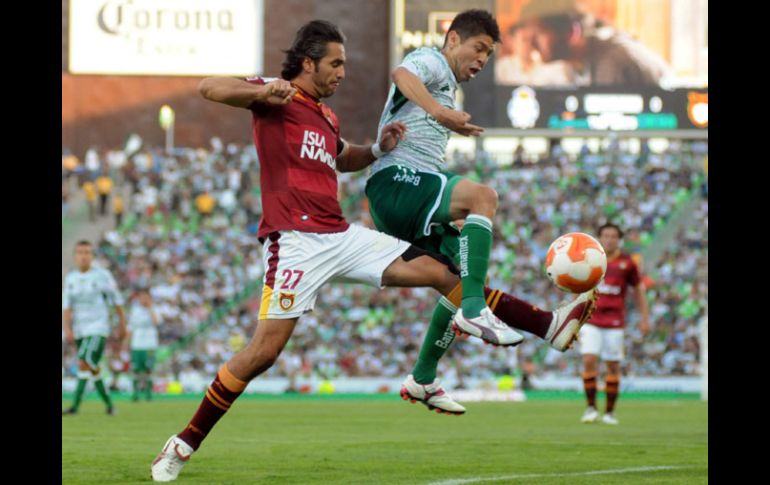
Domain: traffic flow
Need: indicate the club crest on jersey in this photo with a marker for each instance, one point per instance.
(623, 265)
(286, 301)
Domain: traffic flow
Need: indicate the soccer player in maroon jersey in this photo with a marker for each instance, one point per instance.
(602, 336)
(307, 240)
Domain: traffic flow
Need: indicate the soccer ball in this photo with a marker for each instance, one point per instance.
(576, 262)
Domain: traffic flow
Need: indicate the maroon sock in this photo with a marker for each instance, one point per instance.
(589, 385)
(518, 313)
(611, 388)
(219, 397)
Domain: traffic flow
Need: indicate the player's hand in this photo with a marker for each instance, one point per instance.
(458, 121)
(644, 326)
(278, 93)
(391, 134)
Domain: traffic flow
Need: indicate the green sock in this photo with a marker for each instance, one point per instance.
(148, 388)
(475, 245)
(102, 392)
(135, 396)
(79, 390)
(438, 339)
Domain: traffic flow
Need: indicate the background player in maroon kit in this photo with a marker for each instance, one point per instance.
(602, 336)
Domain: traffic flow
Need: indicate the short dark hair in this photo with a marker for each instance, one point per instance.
(610, 225)
(83, 242)
(310, 41)
(474, 22)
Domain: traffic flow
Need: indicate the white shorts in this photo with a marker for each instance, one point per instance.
(298, 264)
(607, 343)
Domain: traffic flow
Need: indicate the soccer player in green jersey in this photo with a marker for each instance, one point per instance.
(142, 325)
(412, 196)
(89, 292)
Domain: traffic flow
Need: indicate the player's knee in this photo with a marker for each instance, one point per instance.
(486, 197)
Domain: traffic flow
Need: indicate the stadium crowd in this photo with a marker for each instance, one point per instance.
(187, 231)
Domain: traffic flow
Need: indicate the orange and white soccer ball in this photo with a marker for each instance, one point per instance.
(576, 262)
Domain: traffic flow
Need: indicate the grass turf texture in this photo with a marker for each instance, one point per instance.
(329, 440)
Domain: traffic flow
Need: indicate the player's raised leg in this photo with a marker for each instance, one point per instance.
(477, 204)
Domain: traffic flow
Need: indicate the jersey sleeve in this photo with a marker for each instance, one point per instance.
(258, 109)
(424, 65)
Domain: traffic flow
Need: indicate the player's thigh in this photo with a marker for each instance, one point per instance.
(149, 364)
(590, 340)
(612, 345)
(468, 195)
(363, 256)
(404, 202)
(92, 350)
(138, 360)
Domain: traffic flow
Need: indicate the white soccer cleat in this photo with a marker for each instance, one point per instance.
(609, 418)
(432, 395)
(590, 416)
(170, 460)
(568, 319)
(487, 327)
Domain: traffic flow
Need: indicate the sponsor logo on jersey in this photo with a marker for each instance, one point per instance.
(407, 178)
(606, 289)
(286, 301)
(314, 148)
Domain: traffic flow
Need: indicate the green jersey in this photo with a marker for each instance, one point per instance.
(89, 295)
(426, 139)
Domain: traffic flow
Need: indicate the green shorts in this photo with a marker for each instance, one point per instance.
(90, 349)
(414, 206)
(142, 360)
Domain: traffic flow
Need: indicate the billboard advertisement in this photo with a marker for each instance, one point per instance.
(579, 64)
(166, 37)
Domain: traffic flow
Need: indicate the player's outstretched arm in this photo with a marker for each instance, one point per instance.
(68, 326)
(412, 87)
(644, 308)
(242, 94)
(357, 157)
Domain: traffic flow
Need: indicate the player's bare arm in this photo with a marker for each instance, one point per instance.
(412, 87)
(644, 309)
(68, 326)
(122, 326)
(242, 94)
(357, 157)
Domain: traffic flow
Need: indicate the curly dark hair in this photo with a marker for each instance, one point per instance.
(474, 22)
(609, 225)
(310, 41)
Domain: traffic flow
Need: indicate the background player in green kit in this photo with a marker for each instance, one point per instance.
(143, 326)
(89, 292)
(412, 197)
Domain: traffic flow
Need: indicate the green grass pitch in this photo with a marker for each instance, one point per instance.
(383, 440)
